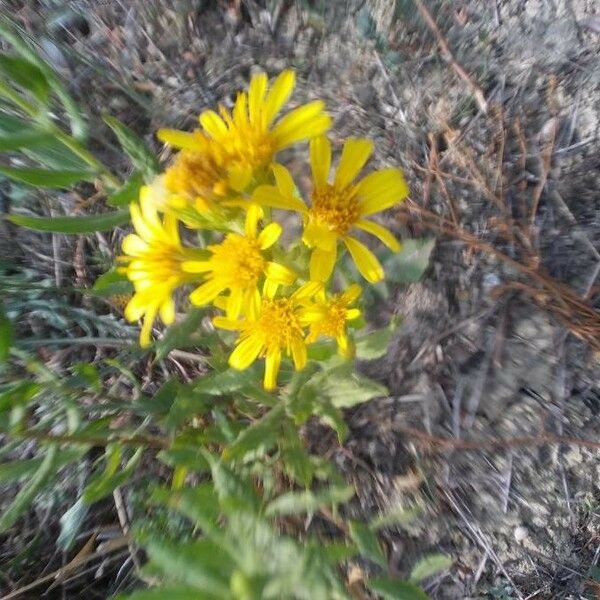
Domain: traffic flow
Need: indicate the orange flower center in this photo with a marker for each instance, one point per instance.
(337, 210)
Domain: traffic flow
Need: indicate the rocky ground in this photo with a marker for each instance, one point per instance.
(491, 108)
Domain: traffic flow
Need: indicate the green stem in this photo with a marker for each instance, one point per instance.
(77, 148)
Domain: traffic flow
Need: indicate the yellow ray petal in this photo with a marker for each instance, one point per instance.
(279, 274)
(278, 95)
(245, 353)
(272, 363)
(269, 195)
(225, 323)
(134, 245)
(284, 181)
(320, 160)
(196, 266)
(351, 294)
(385, 235)
(146, 330)
(298, 353)
(139, 224)
(269, 235)
(206, 293)
(256, 95)
(252, 303)
(380, 190)
(253, 216)
(302, 123)
(321, 264)
(213, 124)
(355, 154)
(240, 111)
(182, 139)
(239, 176)
(352, 313)
(234, 304)
(167, 311)
(366, 262)
(135, 308)
(316, 235)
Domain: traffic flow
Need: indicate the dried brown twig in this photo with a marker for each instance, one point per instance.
(447, 55)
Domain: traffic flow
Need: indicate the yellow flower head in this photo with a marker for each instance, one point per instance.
(339, 207)
(236, 265)
(328, 318)
(277, 328)
(153, 263)
(234, 149)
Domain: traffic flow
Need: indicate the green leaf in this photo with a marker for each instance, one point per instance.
(45, 178)
(6, 334)
(292, 503)
(18, 469)
(128, 193)
(430, 565)
(345, 387)
(367, 543)
(263, 434)
(200, 504)
(408, 265)
(333, 417)
(141, 157)
(52, 153)
(25, 75)
(235, 492)
(71, 522)
(31, 489)
(110, 479)
(375, 343)
(111, 283)
(201, 564)
(187, 333)
(18, 395)
(175, 592)
(398, 517)
(395, 589)
(23, 139)
(186, 457)
(72, 225)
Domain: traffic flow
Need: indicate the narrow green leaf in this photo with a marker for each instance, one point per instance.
(45, 178)
(292, 503)
(408, 265)
(129, 192)
(263, 434)
(141, 157)
(25, 75)
(367, 543)
(235, 492)
(185, 457)
(111, 283)
(333, 417)
(18, 469)
(24, 139)
(110, 479)
(187, 333)
(71, 522)
(6, 334)
(375, 343)
(200, 504)
(201, 564)
(27, 494)
(430, 565)
(72, 225)
(395, 589)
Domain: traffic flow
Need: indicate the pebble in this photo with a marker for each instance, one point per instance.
(521, 534)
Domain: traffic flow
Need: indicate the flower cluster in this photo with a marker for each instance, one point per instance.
(225, 181)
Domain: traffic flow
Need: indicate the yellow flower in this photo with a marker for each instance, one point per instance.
(277, 328)
(339, 207)
(235, 149)
(153, 263)
(236, 265)
(328, 318)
